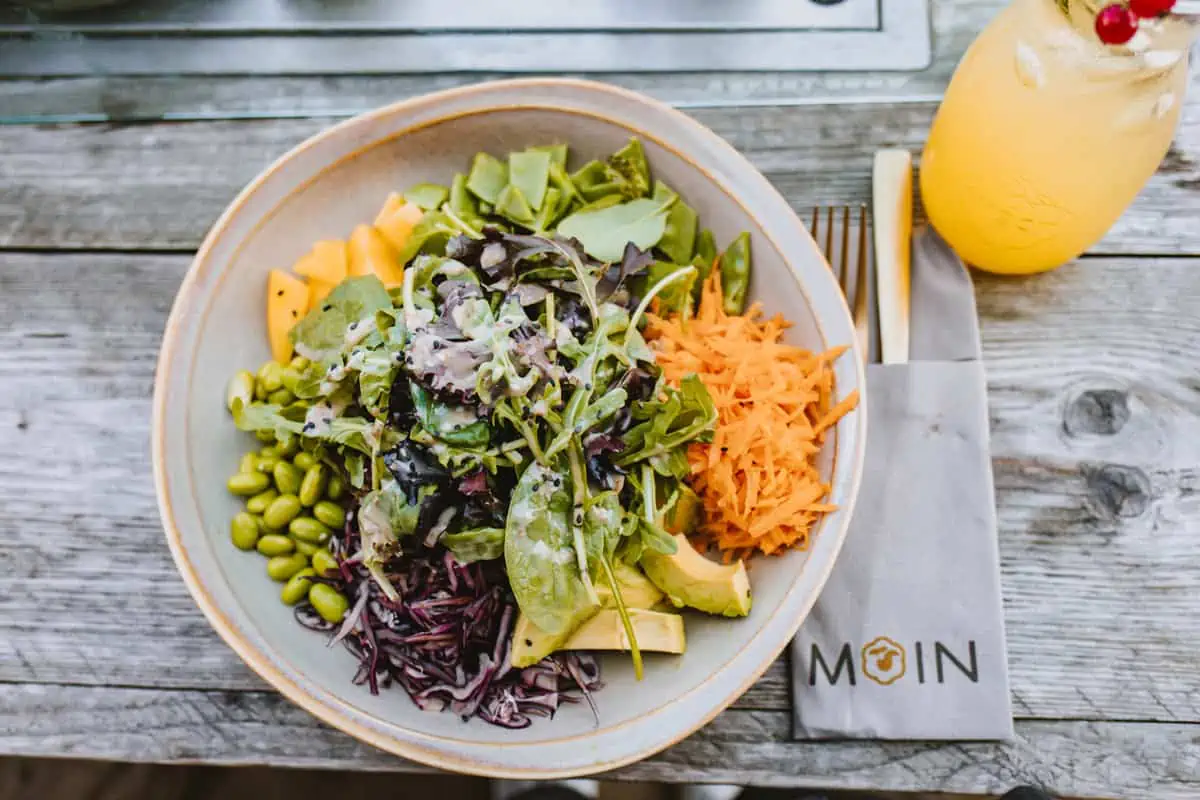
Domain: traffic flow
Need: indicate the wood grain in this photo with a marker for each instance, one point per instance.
(1136, 760)
(159, 186)
(153, 98)
(1095, 464)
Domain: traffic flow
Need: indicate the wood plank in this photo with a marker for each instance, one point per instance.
(160, 186)
(1132, 761)
(955, 23)
(1095, 465)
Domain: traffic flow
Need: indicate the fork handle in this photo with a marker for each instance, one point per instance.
(893, 212)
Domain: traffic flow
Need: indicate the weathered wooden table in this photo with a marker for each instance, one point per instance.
(1094, 375)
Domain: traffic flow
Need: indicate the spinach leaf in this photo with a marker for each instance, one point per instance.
(529, 171)
(605, 232)
(539, 554)
(427, 196)
(487, 178)
(478, 544)
(321, 335)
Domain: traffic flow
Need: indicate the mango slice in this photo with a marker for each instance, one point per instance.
(326, 262)
(397, 219)
(370, 254)
(287, 303)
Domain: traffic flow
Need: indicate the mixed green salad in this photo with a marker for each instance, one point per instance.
(472, 476)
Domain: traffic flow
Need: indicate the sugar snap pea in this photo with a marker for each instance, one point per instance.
(735, 274)
(283, 509)
(275, 544)
(331, 604)
(281, 568)
(313, 485)
(243, 531)
(287, 478)
(309, 530)
(247, 484)
(258, 504)
(329, 513)
(296, 588)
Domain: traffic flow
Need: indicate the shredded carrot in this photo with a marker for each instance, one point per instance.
(758, 479)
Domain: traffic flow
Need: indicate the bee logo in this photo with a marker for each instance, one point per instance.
(883, 660)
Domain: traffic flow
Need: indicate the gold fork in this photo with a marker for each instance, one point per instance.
(845, 242)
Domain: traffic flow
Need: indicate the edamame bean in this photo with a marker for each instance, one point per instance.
(240, 387)
(266, 464)
(275, 544)
(313, 485)
(269, 451)
(288, 449)
(299, 363)
(291, 379)
(249, 463)
(309, 530)
(329, 513)
(281, 397)
(306, 548)
(305, 461)
(328, 602)
(283, 509)
(296, 588)
(265, 436)
(246, 484)
(260, 391)
(258, 504)
(280, 568)
(324, 562)
(243, 530)
(270, 375)
(335, 489)
(287, 478)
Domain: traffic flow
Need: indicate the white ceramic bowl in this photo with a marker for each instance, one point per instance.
(321, 190)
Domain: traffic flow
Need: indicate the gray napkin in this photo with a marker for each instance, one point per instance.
(907, 639)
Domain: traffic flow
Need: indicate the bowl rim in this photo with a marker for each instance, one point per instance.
(331, 713)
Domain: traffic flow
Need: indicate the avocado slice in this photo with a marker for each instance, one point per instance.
(656, 631)
(636, 589)
(690, 579)
(530, 644)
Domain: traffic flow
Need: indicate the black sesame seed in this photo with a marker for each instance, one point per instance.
(326, 307)
(353, 325)
(279, 293)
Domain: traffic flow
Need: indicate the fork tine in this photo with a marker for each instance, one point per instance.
(862, 321)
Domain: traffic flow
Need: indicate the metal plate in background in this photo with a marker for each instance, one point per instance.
(302, 37)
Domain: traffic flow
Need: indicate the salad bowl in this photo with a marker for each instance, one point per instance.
(320, 190)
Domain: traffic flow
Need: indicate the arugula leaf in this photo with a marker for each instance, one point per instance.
(686, 415)
(478, 544)
(321, 335)
(605, 232)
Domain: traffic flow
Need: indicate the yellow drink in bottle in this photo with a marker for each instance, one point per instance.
(1046, 135)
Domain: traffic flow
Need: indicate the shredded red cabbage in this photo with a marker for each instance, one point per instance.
(447, 639)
